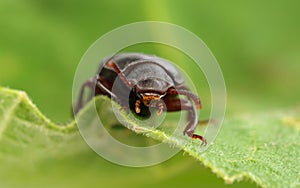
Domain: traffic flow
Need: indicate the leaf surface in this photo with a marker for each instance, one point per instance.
(263, 148)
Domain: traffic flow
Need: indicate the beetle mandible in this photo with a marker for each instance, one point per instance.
(151, 81)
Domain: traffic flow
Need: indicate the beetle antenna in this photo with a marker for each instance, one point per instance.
(112, 64)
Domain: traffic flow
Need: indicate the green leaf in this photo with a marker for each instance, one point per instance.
(263, 148)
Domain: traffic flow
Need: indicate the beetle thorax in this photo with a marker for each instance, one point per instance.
(149, 77)
(152, 84)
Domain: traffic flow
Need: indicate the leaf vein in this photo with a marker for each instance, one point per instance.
(7, 116)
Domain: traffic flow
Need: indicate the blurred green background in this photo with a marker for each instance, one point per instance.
(256, 43)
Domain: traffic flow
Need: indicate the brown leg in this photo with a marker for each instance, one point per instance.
(88, 84)
(175, 104)
(113, 65)
(195, 98)
(104, 88)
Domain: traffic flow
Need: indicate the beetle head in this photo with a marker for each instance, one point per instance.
(148, 96)
(150, 99)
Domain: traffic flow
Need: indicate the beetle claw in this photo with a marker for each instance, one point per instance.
(201, 138)
(196, 136)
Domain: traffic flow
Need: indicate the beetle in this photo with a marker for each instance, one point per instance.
(150, 82)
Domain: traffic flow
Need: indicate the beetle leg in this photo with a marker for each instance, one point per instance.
(104, 90)
(195, 98)
(100, 89)
(112, 64)
(89, 84)
(176, 104)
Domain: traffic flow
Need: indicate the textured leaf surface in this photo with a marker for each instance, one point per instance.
(264, 148)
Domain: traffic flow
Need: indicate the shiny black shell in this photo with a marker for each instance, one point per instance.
(148, 72)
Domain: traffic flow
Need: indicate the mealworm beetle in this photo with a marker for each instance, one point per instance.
(151, 81)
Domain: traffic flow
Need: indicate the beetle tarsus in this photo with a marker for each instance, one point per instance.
(196, 136)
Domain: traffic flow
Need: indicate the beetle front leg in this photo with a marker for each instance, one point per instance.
(104, 87)
(176, 104)
(190, 95)
(96, 87)
(113, 65)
